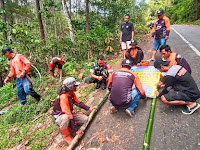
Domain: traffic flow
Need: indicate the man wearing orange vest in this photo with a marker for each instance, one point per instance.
(63, 111)
(135, 53)
(160, 33)
(174, 58)
(20, 66)
(56, 61)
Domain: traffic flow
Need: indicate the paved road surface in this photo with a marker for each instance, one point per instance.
(171, 130)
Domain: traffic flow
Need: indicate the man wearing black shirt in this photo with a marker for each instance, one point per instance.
(127, 34)
(178, 78)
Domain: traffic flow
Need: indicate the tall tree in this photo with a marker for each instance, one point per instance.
(3, 18)
(40, 21)
(87, 15)
(66, 12)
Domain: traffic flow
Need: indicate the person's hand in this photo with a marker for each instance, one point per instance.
(100, 78)
(22, 74)
(6, 81)
(92, 108)
(80, 133)
(138, 64)
(157, 93)
(166, 37)
(120, 40)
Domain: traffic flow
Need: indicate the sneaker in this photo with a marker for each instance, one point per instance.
(113, 109)
(190, 111)
(129, 113)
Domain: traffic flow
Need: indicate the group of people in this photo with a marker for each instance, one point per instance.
(178, 86)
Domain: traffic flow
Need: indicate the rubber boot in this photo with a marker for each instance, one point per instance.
(98, 85)
(104, 84)
(66, 135)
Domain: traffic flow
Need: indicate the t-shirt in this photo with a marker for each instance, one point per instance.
(121, 83)
(127, 29)
(178, 77)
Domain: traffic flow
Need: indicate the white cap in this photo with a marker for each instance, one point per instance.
(70, 82)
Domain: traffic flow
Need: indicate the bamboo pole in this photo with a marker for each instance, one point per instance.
(84, 126)
(146, 144)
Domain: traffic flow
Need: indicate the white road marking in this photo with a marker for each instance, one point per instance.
(191, 46)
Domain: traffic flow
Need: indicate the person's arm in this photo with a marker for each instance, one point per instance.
(138, 85)
(154, 30)
(168, 82)
(132, 33)
(10, 75)
(109, 84)
(96, 77)
(167, 24)
(61, 72)
(120, 37)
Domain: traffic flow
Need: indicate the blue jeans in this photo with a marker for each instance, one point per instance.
(135, 98)
(158, 42)
(25, 87)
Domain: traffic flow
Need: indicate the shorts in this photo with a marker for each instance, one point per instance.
(125, 45)
(158, 42)
(180, 96)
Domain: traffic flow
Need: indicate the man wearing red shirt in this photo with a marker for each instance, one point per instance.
(20, 66)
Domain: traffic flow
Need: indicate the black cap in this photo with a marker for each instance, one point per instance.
(127, 62)
(6, 49)
(160, 62)
(160, 12)
(133, 42)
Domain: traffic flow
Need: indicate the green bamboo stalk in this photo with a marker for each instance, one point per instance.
(91, 116)
(146, 144)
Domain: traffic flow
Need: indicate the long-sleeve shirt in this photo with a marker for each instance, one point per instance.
(64, 105)
(178, 77)
(121, 83)
(161, 28)
(18, 64)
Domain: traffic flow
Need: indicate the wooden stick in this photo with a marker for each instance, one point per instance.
(91, 116)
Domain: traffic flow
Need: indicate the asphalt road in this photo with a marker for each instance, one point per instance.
(172, 130)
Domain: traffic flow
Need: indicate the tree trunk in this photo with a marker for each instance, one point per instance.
(4, 19)
(40, 21)
(55, 24)
(66, 12)
(87, 15)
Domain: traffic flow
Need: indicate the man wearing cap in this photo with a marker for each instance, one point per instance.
(20, 66)
(179, 86)
(63, 112)
(125, 89)
(100, 71)
(174, 58)
(56, 62)
(135, 53)
(161, 31)
(127, 34)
